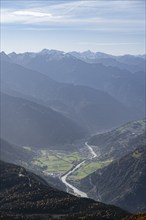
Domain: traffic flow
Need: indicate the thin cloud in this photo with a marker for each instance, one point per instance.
(75, 13)
(26, 16)
(63, 23)
(32, 13)
(41, 18)
(108, 44)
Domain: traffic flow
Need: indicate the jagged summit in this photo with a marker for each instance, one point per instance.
(4, 57)
(50, 51)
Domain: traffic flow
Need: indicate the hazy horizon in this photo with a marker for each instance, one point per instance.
(112, 27)
(51, 49)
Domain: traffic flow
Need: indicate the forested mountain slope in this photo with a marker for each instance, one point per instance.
(122, 182)
(24, 195)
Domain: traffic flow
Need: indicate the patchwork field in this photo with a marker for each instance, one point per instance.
(52, 162)
(88, 168)
(56, 163)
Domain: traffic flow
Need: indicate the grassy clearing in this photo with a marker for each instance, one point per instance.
(60, 162)
(89, 168)
(74, 157)
(53, 162)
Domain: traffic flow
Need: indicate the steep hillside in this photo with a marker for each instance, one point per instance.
(121, 183)
(140, 216)
(120, 141)
(14, 154)
(93, 109)
(24, 156)
(24, 195)
(26, 123)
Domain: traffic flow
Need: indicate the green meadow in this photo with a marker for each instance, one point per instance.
(89, 168)
(57, 162)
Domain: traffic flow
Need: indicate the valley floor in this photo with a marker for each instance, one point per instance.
(68, 166)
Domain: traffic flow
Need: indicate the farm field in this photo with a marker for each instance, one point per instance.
(88, 168)
(52, 162)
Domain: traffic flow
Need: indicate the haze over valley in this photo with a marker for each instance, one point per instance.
(77, 123)
(72, 110)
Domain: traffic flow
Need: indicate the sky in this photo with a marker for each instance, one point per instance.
(110, 26)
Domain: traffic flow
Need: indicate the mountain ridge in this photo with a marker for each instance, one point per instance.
(87, 106)
(35, 125)
(119, 81)
(122, 182)
(31, 197)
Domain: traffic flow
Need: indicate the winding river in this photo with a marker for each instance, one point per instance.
(76, 191)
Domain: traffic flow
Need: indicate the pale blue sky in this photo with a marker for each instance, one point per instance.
(110, 26)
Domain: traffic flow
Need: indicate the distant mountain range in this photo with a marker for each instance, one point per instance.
(129, 62)
(122, 77)
(123, 62)
(87, 108)
(25, 195)
(122, 182)
(57, 99)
